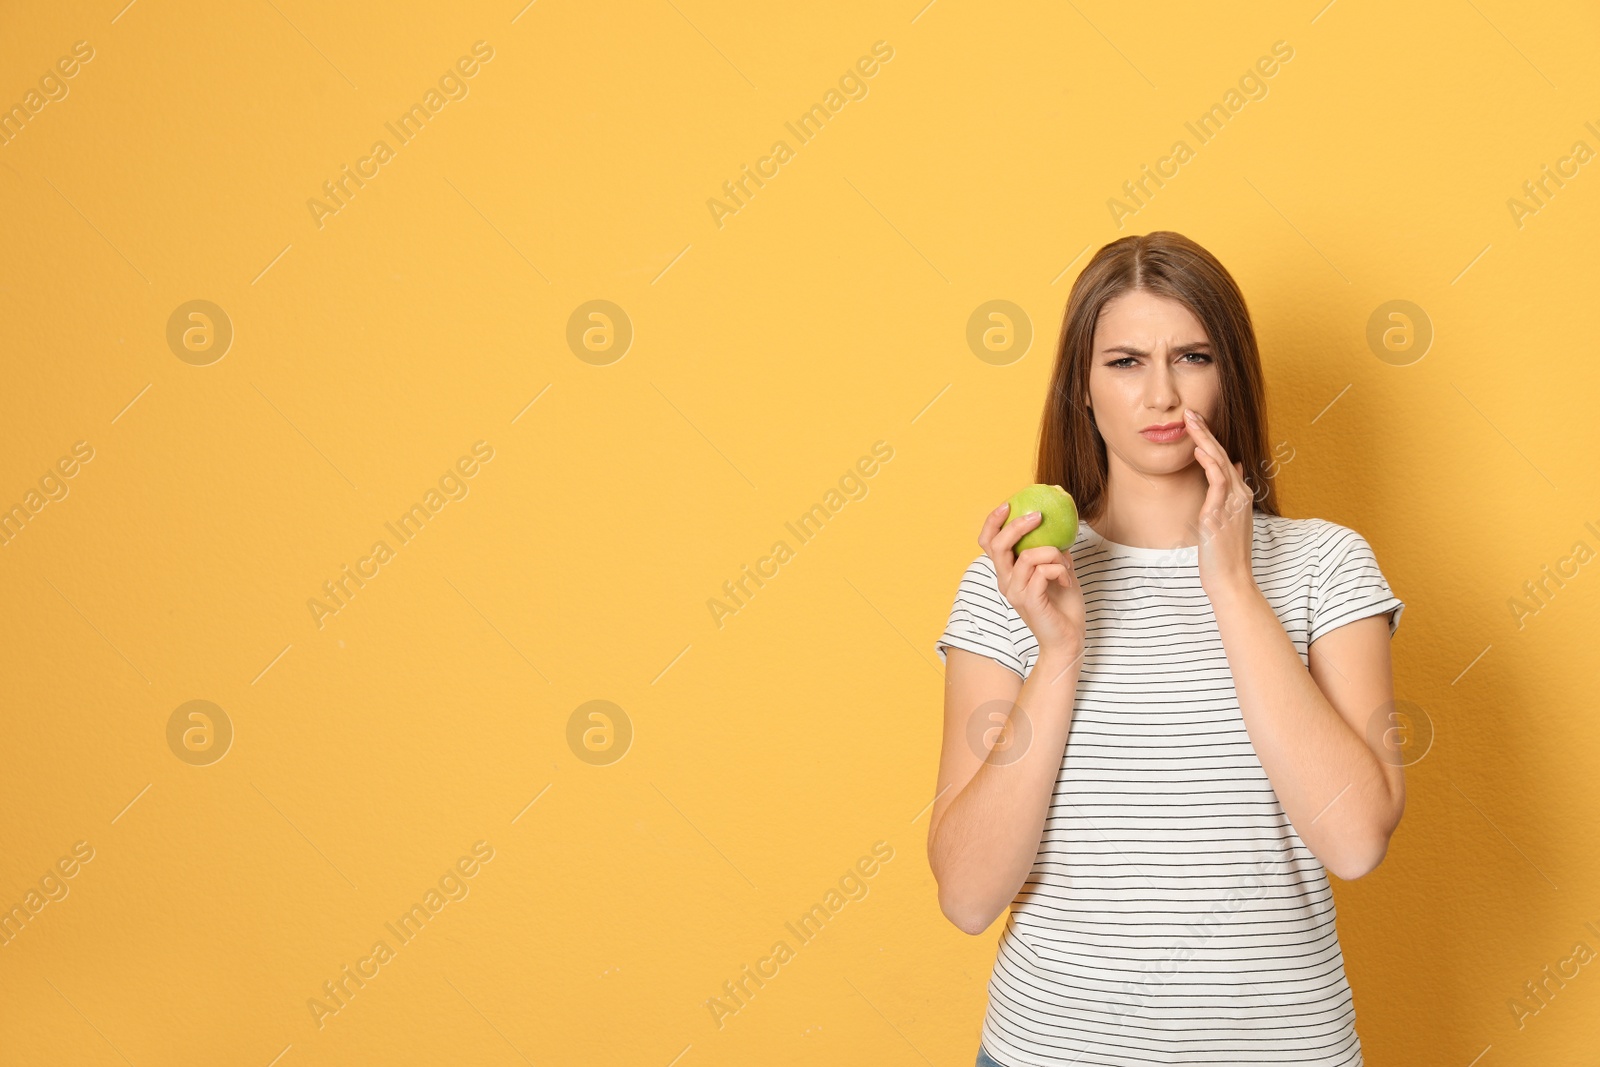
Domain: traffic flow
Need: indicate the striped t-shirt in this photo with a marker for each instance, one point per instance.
(1173, 914)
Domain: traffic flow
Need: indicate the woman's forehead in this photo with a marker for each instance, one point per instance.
(1148, 323)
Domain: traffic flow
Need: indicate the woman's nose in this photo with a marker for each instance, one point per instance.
(1160, 389)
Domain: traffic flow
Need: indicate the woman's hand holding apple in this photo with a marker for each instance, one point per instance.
(1038, 582)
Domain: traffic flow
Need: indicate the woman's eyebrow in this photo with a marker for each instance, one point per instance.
(1177, 349)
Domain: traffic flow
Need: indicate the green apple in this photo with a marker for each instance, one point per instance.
(1058, 516)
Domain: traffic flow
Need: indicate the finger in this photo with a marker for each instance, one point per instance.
(1040, 554)
(1043, 575)
(1057, 567)
(1231, 473)
(1214, 448)
(1013, 531)
(991, 525)
(997, 538)
(1197, 425)
(1216, 482)
(1030, 559)
(1067, 581)
(1240, 484)
(1204, 438)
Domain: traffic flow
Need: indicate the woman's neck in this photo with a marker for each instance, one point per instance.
(1151, 510)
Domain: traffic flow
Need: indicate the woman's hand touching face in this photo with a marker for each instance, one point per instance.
(1227, 518)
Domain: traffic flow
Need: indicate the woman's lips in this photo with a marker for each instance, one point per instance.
(1164, 435)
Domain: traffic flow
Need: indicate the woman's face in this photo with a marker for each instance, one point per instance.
(1151, 360)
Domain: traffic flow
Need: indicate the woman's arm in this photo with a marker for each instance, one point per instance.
(1004, 740)
(1339, 780)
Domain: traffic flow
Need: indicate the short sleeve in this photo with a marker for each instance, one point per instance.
(981, 619)
(1349, 585)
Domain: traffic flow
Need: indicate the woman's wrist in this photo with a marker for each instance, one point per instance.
(1228, 596)
(1054, 660)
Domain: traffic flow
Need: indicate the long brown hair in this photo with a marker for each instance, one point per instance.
(1072, 454)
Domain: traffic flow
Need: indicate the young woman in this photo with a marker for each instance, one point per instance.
(1158, 742)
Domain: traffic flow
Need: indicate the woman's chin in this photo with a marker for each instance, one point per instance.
(1151, 459)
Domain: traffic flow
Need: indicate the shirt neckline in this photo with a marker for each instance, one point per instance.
(1181, 554)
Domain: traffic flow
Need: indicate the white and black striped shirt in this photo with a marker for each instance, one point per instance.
(1173, 914)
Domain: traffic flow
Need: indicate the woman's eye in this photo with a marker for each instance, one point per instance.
(1128, 361)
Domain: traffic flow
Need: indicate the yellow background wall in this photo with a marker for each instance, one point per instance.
(373, 747)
